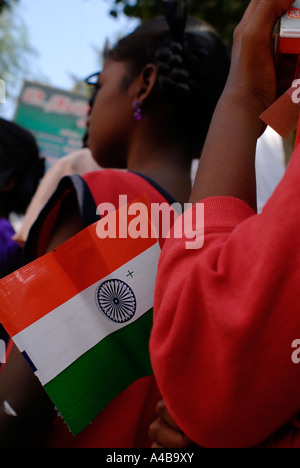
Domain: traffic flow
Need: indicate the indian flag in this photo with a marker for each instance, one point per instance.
(82, 315)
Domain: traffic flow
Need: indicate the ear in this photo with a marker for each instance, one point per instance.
(146, 83)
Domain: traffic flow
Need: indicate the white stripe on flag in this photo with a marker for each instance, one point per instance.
(2, 352)
(55, 341)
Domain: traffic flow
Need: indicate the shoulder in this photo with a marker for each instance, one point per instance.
(78, 162)
(107, 185)
(74, 204)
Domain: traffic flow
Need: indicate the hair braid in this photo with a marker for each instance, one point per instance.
(172, 74)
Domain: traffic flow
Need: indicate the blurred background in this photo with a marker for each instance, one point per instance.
(48, 47)
(58, 42)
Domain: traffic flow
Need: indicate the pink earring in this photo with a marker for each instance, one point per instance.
(137, 111)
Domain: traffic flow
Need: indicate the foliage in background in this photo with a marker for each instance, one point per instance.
(224, 15)
(6, 4)
(15, 51)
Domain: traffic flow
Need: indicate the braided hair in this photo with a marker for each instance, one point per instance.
(192, 69)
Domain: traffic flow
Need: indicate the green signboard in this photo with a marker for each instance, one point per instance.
(56, 118)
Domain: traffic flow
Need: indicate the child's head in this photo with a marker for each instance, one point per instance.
(21, 168)
(173, 82)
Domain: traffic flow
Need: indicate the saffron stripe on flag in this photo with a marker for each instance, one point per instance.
(66, 333)
(53, 279)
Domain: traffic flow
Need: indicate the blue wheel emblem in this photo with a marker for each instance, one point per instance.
(116, 300)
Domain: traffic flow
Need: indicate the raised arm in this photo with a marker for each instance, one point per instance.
(227, 163)
(226, 315)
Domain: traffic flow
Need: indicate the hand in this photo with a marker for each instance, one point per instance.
(252, 72)
(227, 163)
(165, 432)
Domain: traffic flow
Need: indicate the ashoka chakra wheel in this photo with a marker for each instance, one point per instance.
(116, 300)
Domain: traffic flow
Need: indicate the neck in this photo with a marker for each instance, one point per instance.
(165, 164)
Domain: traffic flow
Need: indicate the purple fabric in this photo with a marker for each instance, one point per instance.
(10, 252)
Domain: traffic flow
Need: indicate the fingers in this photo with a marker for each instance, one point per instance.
(262, 15)
(156, 446)
(165, 436)
(165, 432)
(257, 26)
(243, 24)
(163, 413)
(266, 14)
(249, 13)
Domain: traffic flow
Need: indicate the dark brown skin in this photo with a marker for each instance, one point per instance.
(165, 432)
(227, 163)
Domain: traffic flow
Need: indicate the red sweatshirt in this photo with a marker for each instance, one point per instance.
(225, 319)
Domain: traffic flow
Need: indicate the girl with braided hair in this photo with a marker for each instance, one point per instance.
(154, 102)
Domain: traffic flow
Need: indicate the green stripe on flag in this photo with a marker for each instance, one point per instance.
(115, 363)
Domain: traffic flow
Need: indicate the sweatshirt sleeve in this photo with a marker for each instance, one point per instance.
(225, 318)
